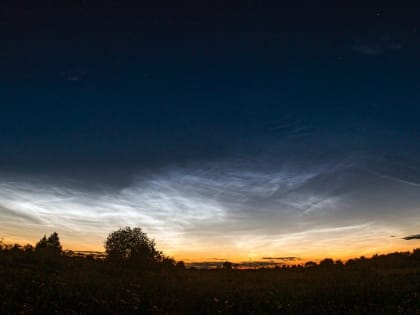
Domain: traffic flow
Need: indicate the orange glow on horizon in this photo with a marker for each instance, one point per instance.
(235, 256)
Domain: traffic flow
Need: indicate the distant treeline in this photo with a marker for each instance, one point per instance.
(132, 248)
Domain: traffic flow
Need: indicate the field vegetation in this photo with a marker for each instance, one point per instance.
(135, 278)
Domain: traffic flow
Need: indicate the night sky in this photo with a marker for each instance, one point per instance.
(233, 131)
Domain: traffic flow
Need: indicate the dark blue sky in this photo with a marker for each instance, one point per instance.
(101, 83)
(253, 121)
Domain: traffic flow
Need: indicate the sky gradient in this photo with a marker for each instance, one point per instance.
(225, 132)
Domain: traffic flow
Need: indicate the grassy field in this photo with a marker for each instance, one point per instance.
(38, 284)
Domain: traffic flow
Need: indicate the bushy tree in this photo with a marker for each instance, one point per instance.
(310, 264)
(132, 245)
(168, 262)
(180, 265)
(51, 244)
(416, 254)
(326, 263)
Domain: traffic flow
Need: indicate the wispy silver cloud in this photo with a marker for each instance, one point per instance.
(247, 207)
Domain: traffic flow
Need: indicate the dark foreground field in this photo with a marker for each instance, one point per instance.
(35, 284)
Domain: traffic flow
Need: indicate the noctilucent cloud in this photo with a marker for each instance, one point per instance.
(224, 132)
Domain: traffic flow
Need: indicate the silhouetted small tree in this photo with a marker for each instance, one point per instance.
(42, 244)
(339, 263)
(326, 263)
(168, 262)
(49, 245)
(310, 264)
(416, 254)
(132, 245)
(28, 248)
(180, 265)
(227, 265)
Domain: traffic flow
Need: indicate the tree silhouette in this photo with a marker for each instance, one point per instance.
(42, 244)
(326, 263)
(51, 244)
(227, 265)
(310, 264)
(180, 265)
(133, 245)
